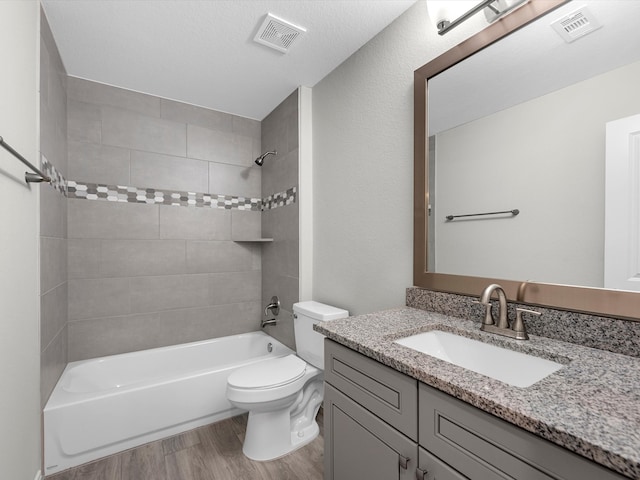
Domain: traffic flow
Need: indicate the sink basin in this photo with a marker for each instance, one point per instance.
(515, 368)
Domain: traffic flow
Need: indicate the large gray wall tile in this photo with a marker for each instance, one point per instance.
(98, 297)
(283, 329)
(214, 257)
(247, 126)
(84, 122)
(234, 180)
(84, 255)
(246, 225)
(121, 128)
(99, 219)
(235, 287)
(221, 147)
(168, 172)
(53, 212)
(285, 287)
(113, 335)
(53, 313)
(53, 215)
(281, 223)
(133, 258)
(192, 114)
(53, 262)
(280, 174)
(195, 223)
(94, 163)
(152, 294)
(101, 94)
(53, 359)
(280, 259)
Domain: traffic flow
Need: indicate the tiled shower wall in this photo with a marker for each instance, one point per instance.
(147, 275)
(281, 257)
(53, 215)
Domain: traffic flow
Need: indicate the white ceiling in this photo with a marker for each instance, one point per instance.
(202, 51)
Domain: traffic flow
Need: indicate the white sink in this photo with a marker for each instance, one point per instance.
(515, 368)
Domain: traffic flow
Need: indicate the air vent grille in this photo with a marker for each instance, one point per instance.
(576, 25)
(277, 33)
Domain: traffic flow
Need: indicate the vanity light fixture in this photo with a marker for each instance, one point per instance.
(441, 12)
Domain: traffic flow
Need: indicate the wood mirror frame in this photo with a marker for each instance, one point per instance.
(597, 301)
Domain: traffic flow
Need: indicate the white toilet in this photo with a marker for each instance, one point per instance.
(283, 394)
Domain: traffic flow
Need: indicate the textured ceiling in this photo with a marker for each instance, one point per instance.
(202, 52)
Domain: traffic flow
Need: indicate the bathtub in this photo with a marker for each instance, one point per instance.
(106, 405)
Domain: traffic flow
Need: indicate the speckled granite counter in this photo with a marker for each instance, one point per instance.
(591, 406)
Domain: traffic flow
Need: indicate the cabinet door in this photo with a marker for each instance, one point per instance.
(358, 445)
(432, 468)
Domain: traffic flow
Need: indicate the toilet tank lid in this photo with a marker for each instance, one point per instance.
(319, 311)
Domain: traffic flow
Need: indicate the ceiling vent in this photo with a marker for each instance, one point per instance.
(576, 25)
(277, 33)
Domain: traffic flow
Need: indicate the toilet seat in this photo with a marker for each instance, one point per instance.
(272, 373)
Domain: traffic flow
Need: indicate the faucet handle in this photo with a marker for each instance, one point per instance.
(518, 326)
(488, 318)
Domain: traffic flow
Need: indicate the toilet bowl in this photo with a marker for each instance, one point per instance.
(283, 394)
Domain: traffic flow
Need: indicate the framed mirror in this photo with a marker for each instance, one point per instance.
(492, 134)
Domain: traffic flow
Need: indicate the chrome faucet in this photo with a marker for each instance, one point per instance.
(502, 327)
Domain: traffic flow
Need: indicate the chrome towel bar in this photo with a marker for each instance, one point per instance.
(513, 212)
(29, 177)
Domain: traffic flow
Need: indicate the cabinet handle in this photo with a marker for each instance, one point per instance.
(404, 462)
(421, 474)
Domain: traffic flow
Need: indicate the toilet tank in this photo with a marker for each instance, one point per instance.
(309, 343)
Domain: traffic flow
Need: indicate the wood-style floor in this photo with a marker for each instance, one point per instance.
(213, 452)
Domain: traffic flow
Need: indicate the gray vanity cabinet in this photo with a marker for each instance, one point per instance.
(382, 424)
(371, 418)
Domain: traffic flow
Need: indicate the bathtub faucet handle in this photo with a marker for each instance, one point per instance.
(274, 307)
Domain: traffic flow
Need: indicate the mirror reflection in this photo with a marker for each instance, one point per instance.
(523, 125)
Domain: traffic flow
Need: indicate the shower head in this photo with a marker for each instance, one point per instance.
(260, 159)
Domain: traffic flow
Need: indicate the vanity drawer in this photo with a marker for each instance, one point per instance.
(483, 447)
(387, 393)
(432, 468)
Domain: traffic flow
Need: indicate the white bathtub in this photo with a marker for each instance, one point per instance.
(105, 405)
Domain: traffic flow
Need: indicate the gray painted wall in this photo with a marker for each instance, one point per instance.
(19, 209)
(280, 258)
(363, 165)
(143, 276)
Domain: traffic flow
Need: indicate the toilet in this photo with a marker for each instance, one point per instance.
(283, 394)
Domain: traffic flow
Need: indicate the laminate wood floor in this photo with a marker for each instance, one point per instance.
(213, 452)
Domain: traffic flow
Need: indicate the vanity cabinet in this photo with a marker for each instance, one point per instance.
(382, 424)
(371, 418)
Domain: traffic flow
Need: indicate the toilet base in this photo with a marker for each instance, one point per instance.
(264, 444)
(274, 433)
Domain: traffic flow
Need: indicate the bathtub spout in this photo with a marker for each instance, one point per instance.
(266, 323)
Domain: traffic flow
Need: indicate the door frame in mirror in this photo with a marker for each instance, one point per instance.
(598, 301)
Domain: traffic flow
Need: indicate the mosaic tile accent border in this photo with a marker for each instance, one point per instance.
(280, 199)
(152, 196)
(58, 182)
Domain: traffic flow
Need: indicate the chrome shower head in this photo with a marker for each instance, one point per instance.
(260, 159)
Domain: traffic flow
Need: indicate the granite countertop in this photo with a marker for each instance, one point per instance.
(591, 406)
